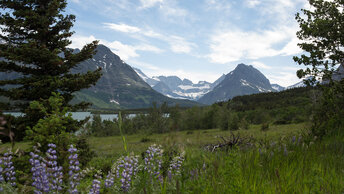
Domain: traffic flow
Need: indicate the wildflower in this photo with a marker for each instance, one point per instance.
(260, 151)
(153, 161)
(74, 169)
(95, 189)
(176, 164)
(8, 170)
(1, 177)
(39, 174)
(54, 171)
(194, 174)
(285, 150)
(109, 181)
(299, 140)
(125, 169)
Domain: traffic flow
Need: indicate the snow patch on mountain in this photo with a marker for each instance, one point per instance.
(174, 87)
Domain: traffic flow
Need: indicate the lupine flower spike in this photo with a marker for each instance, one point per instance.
(74, 174)
(95, 189)
(153, 161)
(175, 166)
(54, 171)
(1, 177)
(125, 169)
(39, 173)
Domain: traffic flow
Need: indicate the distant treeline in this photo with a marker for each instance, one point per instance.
(289, 106)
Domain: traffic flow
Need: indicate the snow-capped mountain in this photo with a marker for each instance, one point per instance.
(297, 85)
(174, 87)
(243, 80)
(151, 81)
(120, 86)
(277, 87)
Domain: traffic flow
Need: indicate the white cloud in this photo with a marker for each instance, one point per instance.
(280, 10)
(80, 41)
(253, 3)
(284, 78)
(149, 3)
(177, 44)
(292, 48)
(168, 10)
(123, 50)
(122, 27)
(234, 45)
(218, 4)
(260, 65)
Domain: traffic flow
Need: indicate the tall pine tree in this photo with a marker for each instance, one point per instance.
(34, 40)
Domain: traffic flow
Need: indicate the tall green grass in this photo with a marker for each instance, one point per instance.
(314, 168)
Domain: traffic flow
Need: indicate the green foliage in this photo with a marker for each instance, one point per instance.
(84, 151)
(35, 48)
(233, 122)
(321, 31)
(287, 107)
(265, 127)
(54, 127)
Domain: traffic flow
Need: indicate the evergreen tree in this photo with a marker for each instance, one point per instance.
(322, 30)
(34, 42)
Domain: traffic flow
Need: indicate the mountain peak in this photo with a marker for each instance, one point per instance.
(243, 80)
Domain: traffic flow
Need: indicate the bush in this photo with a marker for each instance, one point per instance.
(145, 139)
(265, 127)
(57, 127)
(233, 123)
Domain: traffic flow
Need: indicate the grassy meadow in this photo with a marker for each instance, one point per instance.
(276, 165)
(278, 161)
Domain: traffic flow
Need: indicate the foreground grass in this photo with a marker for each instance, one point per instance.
(277, 164)
(280, 166)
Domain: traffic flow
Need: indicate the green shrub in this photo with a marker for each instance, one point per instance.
(145, 139)
(265, 127)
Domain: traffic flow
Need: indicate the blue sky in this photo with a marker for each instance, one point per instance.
(194, 39)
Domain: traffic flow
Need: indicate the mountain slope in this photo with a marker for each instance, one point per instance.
(174, 87)
(277, 87)
(243, 80)
(120, 86)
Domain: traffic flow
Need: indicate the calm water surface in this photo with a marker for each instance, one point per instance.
(79, 115)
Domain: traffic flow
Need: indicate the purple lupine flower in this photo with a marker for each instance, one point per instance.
(1, 177)
(194, 174)
(125, 169)
(8, 170)
(299, 140)
(74, 174)
(176, 164)
(54, 171)
(260, 151)
(95, 189)
(285, 150)
(39, 173)
(110, 180)
(153, 161)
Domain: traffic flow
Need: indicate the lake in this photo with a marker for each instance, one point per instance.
(80, 115)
